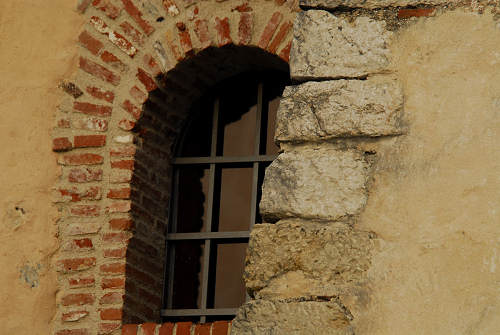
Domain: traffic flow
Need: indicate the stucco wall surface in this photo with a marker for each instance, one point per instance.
(37, 44)
(434, 201)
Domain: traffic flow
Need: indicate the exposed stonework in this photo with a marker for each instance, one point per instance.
(297, 258)
(316, 183)
(370, 4)
(325, 46)
(340, 108)
(292, 317)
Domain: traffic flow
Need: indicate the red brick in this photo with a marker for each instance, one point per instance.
(220, 328)
(244, 7)
(85, 210)
(73, 331)
(126, 124)
(81, 159)
(79, 282)
(280, 36)
(111, 314)
(223, 31)
(151, 64)
(166, 329)
(148, 328)
(85, 141)
(61, 144)
(92, 109)
(82, 5)
(116, 237)
(132, 109)
(115, 253)
(285, 52)
(74, 194)
(114, 61)
(107, 7)
(245, 28)
(78, 299)
(134, 34)
(173, 46)
(130, 329)
(124, 165)
(84, 175)
(269, 30)
(122, 193)
(120, 224)
(63, 123)
(111, 298)
(138, 95)
(171, 7)
(91, 124)
(78, 244)
(201, 30)
(74, 316)
(202, 329)
(185, 39)
(136, 14)
(99, 71)
(113, 268)
(117, 39)
(119, 207)
(184, 328)
(90, 43)
(109, 283)
(108, 328)
(123, 151)
(75, 264)
(405, 13)
(146, 80)
(101, 94)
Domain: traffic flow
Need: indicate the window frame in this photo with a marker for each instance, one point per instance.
(214, 161)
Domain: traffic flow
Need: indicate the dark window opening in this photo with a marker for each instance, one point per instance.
(218, 172)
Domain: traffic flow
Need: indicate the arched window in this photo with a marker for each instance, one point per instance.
(218, 172)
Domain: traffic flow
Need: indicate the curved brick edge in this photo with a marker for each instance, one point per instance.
(123, 48)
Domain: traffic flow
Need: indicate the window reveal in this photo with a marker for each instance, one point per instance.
(218, 173)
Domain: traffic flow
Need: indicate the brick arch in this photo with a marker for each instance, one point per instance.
(134, 55)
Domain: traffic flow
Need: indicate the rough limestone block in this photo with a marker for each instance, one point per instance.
(325, 46)
(263, 317)
(296, 258)
(370, 4)
(315, 183)
(340, 108)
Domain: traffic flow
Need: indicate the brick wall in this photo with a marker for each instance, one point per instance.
(140, 65)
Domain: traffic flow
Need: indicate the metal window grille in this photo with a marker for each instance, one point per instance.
(206, 239)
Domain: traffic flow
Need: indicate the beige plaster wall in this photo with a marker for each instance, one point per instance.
(37, 44)
(435, 199)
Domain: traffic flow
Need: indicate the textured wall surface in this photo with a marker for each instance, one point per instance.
(37, 43)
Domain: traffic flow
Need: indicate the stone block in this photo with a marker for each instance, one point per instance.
(340, 108)
(316, 183)
(297, 258)
(327, 47)
(263, 317)
(370, 4)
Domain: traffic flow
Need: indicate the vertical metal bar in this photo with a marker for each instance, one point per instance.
(208, 226)
(171, 253)
(255, 177)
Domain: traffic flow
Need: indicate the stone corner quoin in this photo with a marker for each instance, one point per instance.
(328, 47)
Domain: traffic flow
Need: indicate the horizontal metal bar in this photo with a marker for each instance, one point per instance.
(199, 312)
(208, 235)
(223, 159)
